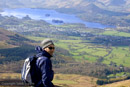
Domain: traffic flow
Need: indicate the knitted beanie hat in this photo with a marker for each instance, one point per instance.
(45, 43)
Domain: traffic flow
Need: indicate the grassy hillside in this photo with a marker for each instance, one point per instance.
(4, 38)
(62, 80)
(10, 39)
(125, 83)
(71, 80)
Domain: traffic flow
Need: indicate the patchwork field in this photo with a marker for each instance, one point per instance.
(116, 33)
(83, 50)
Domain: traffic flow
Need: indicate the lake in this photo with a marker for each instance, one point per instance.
(51, 16)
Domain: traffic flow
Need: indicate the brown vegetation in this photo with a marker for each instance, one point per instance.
(125, 83)
(60, 80)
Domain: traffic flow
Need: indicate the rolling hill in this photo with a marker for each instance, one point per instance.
(14, 48)
(94, 9)
(125, 83)
(10, 39)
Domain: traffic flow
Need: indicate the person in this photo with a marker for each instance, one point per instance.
(44, 70)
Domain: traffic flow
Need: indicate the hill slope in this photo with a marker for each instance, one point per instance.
(10, 39)
(125, 83)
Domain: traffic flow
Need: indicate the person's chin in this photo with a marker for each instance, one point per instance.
(51, 54)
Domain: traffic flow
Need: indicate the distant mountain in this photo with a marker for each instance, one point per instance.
(117, 2)
(93, 9)
(114, 2)
(100, 11)
(3, 4)
(62, 4)
(12, 3)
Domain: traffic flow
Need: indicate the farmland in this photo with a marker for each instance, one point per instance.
(82, 49)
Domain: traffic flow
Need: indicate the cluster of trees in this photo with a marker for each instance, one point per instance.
(16, 54)
(108, 40)
(107, 81)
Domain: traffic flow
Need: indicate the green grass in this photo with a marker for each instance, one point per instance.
(62, 45)
(116, 33)
(119, 55)
(63, 82)
(81, 50)
(86, 51)
(119, 74)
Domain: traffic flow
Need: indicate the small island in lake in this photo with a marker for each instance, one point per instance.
(57, 21)
(47, 15)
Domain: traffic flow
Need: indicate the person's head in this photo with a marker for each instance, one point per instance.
(48, 46)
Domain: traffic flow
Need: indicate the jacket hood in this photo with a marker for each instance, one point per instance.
(38, 49)
(41, 52)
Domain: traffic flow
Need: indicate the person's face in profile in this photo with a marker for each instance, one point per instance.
(50, 49)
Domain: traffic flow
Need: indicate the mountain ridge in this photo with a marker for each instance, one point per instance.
(54, 4)
(99, 11)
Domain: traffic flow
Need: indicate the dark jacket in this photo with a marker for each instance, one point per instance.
(44, 69)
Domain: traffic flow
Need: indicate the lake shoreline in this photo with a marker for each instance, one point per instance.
(51, 16)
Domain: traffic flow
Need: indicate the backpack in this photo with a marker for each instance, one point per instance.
(29, 69)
